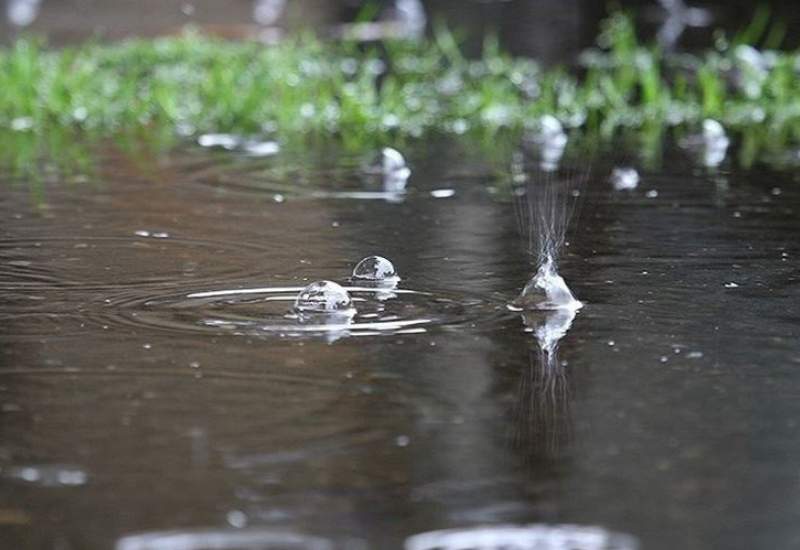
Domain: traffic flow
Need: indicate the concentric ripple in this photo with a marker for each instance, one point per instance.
(268, 312)
(143, 258)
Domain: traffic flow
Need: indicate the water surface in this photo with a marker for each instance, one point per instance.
(671, 412)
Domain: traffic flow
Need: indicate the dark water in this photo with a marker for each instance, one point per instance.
(671, 413)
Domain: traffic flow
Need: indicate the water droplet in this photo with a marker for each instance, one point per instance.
(323, 297)
(731, 285)
(624, 179)
(402, 440)
(652, 194)
(376, 269)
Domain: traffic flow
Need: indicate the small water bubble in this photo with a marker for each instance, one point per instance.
(776, 191)
(402, 441)
(694, 354)
(141, 233)
(731, 285)
(624, 179)
(664, 359)
(147, 346)
(194, 365)
(277, 197)
(652, 194)
(323, 297)
(375, 268)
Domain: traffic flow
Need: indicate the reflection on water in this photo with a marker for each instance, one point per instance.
(534, 537)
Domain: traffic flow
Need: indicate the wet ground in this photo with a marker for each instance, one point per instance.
(670, 412)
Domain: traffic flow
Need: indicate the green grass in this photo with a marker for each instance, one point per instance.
(304, 89)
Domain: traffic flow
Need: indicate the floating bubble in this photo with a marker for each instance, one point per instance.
(375, 269)
(533, 537)
(323, 297)
(624, 179)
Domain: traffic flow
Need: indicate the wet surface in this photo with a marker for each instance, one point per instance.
(153, 378)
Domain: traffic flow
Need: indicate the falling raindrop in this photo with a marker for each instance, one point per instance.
(323, 297)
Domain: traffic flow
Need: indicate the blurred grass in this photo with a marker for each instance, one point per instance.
(304, 89)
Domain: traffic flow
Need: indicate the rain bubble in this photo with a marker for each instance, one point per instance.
(323, 297)
(375, 269)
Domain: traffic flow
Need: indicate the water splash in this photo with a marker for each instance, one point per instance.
(529, 537)
(544, 208)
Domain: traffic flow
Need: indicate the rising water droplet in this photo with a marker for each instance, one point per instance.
(375, 269)
(323, 297)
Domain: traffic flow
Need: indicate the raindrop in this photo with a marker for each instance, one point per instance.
(323, 297)
(375, 269)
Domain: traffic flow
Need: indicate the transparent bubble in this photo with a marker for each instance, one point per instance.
(323, 297)
(375, 268)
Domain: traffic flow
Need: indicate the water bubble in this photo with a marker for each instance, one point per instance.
(323, 297)
(375, 269)
(624, 179)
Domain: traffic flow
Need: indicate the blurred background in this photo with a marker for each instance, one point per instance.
(550, 30)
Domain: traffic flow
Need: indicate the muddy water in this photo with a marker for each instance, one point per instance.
(670, 413)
